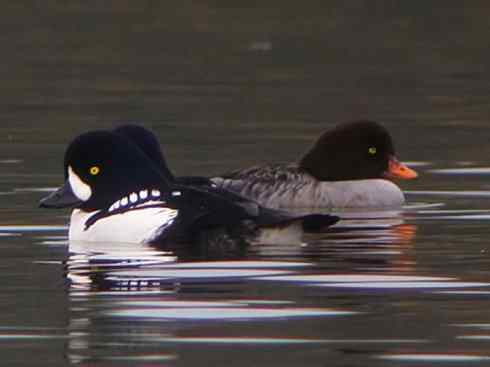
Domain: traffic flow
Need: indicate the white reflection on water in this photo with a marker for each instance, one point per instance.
(195, 304)
(29, 228)
(455, 193)
(462, 171)
(348, 278)
(435, 357)
(370, 281)
(143, 358)
(77, 359)
(407, 285)
(55, 243)
(451, 214)
(224, 313)
(464, 217)
(197, 274)
(11, 161)
(281, 341)
(476, 326)
(474, 337)
(35, 189)
(239, 264)
(417, 163)
(8, 234)
(31, 336)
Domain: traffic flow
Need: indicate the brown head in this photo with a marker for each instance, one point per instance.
(353, 151)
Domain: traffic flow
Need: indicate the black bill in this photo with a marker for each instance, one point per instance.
(61, 198)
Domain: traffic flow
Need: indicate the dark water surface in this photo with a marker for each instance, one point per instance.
(227, 85)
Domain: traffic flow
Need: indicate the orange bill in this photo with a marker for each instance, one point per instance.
(397, 169)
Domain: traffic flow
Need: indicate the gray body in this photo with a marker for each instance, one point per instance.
(283, 186)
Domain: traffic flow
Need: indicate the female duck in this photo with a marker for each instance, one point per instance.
(349, 166)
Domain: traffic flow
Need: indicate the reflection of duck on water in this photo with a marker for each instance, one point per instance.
(92, 265)
(364, 248)
(121, 266)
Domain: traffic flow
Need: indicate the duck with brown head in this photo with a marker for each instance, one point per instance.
(349, 166)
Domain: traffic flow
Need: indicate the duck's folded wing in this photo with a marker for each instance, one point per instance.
(203, 184)
(204, 209)
(266, 173)
(266, 183)
(193, 180)
(200, 208)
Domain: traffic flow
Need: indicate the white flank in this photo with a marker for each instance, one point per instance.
(79, 188)
(133, 226)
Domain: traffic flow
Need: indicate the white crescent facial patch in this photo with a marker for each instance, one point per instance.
(79, 188)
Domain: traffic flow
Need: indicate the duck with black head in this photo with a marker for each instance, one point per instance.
(349, 166)
(120, 195)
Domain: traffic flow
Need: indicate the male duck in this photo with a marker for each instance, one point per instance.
(120, 195)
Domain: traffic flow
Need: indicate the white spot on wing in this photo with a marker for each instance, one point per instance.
(79, 188)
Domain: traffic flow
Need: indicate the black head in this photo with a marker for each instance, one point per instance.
(146, 140)
(101, 167)
(356, 150)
